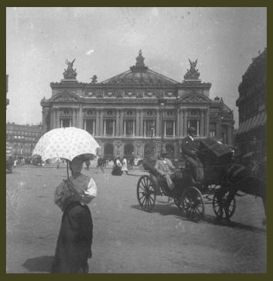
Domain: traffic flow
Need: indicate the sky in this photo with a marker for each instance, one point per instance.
(105, 41)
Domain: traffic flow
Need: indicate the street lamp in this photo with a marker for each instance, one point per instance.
(161, 107)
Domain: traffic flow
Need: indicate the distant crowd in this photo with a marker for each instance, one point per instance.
(119, 165)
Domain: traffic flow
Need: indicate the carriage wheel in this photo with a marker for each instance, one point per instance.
(146, 193)
(192, 203)
(223, 203)
(177, 202)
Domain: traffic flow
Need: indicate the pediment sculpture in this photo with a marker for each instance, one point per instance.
(194, 99)
(192, 73)
(69, 72)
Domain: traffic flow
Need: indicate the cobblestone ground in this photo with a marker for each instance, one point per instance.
(127, 239)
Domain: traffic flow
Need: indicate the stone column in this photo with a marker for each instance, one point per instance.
(51, 119)
(76, 111)
(97, 123)
(202, 124)
(137, 122)
(157, 123)
(134, 128)
(141, 123)
(45, 114)
(57, 118)
(80, 123)
(73, 116)
(185, 123)
(178, 122)
(101, 122)
(121, 133)
(207, 123)
(52, 125)
(76, 117)
(117, 122)
(181, 120)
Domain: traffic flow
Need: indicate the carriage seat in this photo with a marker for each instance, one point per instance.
(157, 178)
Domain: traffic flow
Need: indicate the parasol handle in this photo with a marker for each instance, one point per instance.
(67, 164)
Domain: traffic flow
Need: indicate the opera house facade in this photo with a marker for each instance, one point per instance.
(138, 112)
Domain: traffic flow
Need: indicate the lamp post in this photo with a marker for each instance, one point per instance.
(161, 108)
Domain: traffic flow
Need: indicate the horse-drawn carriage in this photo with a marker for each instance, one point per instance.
(223, 179)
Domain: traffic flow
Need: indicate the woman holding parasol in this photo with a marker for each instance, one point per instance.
(72, 195)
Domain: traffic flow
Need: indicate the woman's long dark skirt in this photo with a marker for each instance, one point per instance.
(74, 241)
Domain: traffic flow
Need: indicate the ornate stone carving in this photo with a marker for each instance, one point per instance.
(194, 98)
(192, 73)
(149, 94)
(70, 73)
(66, 97)
(139, 94)
(109, 94)
(119, 93)
(90, 94)
(99, 94)
(160, 94)
(129, 94)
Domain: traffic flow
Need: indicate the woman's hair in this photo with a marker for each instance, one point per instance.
(78, 158)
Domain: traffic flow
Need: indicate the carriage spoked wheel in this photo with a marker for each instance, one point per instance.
(177, 202)
(146, 193)
(192, 204)
(223, 203)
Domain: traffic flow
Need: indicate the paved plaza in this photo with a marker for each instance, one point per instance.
(127, 239)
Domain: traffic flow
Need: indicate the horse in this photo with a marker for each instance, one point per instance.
(249, 180)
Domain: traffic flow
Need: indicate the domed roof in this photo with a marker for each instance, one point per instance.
(139, 74)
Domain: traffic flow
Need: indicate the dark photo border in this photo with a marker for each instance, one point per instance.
(136, 3)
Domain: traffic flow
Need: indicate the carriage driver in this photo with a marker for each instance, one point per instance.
(189, 149)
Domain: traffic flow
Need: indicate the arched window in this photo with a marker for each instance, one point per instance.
(149, 150)
(128, 150)
(108, 151)
(170, 150)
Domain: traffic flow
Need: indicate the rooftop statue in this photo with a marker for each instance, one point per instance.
(94, 79)
(70, 73)
(139, 66)
(192, 73)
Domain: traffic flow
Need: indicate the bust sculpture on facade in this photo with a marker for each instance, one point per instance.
(70, 73)
(192, 73)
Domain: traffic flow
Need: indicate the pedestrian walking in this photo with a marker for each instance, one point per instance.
(116, 171)
(72, 195)
(124, 167)
(100, 164)
(58, 163)
(76, 232)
